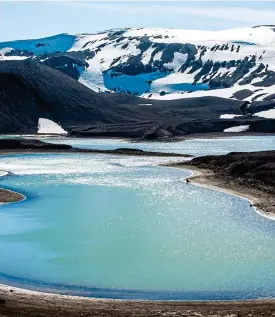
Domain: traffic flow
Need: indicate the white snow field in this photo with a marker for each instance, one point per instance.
(229, 116)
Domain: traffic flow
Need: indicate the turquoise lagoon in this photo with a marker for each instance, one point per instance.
(122, 227)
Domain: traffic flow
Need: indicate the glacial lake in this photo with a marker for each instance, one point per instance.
(122, 227)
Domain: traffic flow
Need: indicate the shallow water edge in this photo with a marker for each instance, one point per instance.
(20, 302)
(206, 179)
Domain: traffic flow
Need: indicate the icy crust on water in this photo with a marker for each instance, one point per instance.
(70, 164)
(113, 223)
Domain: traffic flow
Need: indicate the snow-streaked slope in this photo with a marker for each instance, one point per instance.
(164, 63)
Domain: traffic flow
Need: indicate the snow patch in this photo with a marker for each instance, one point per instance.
(46, 126)
(157, 56)
(178, 61)
(229, 116)
(239, 128)
(6, 50)
(147, 55)
(175, 83)
(268, 114)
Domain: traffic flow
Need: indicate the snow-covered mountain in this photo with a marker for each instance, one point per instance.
(162, 63)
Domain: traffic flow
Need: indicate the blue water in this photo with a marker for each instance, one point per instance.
(179, 87)
(196, 147)
(138, 84)
(141, 84)
(122, 227)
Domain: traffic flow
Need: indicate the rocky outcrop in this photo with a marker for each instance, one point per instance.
(29, 144)
(33, 145)
(250, 169)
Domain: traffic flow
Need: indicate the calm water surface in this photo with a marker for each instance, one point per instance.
(197, 147)
(122, 227)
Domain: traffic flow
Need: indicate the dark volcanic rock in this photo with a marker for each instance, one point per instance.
(68, 65)
(24, 144)
(128, 151)
(261, 106)
(157, 133)
(255, 168)
(242, 94)
(29, 145)
(31, 90)
(269, 98)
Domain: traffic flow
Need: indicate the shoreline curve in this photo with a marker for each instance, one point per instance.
(207, 179)
(21, 302)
